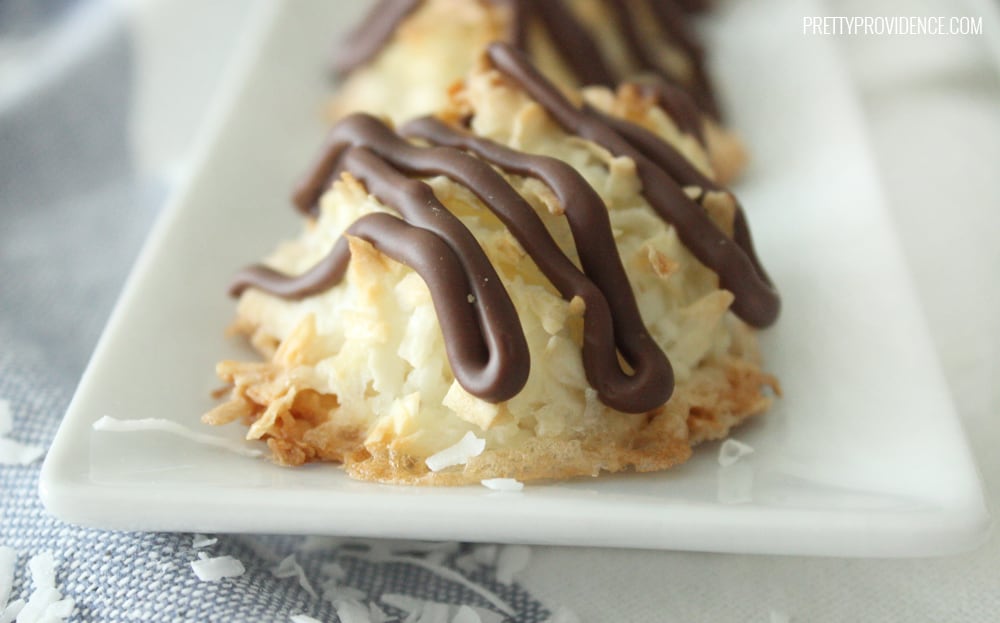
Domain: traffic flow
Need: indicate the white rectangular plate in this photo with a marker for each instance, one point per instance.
(863, 456)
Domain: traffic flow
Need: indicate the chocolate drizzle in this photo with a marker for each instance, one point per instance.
(367, 40)
(483, 337)
(574, 43)
(612, 316)
(677, 103)
(734, 261)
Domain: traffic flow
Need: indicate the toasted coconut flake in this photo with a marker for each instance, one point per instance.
(110, 424)
(468, 447)
(732, 451)
(502, 484)
(215, 569)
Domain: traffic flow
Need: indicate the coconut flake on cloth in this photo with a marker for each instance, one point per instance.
(14, 452)
(110, 424)
(429, 611)
(215, 569)
(512, 560)
(17, 453)
(290, 568)
(454, 576)
(467, 447)
(45, 604)
(200, 540)
(353, 611)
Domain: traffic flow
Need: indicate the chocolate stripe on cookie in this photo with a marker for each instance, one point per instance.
(575, 45)
(606, 329)
(756, 300)
(612, 314)
(490, 355)
(368, 39)
(485, 345)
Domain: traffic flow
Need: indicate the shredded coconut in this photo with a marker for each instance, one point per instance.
(352, 611)
(407, 604)
(468, 447)
(454, 576)
(61, 609)
(110, 424)
(38, 604)
(377, 614)
(512, 560)
(11, 611)
(43, 570)
(333, 591)
(420, 610)
(6, 419)
(485, 554)
(434, 612)
(466, 562)
(45, 604)
(465, 614)
(17, 453)
(318, 543)
(200, 541)
(290, 568)
(732, 451)
(502, 484)
(215, 569)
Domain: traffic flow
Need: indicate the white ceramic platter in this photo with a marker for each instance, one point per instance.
(864, 455)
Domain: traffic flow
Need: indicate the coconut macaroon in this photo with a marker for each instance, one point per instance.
(522, 287)
(401, 61)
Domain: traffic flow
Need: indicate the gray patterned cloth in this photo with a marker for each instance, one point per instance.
(73, 215)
